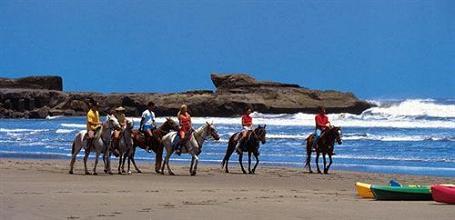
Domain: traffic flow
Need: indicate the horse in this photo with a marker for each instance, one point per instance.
(325, 145)
(252, 143)
(193, 146)
(101, 143)
(125, 146)
(155, 143)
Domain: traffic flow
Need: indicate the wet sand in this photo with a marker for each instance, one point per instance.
(43, 189)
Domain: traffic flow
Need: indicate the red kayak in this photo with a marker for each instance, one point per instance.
(443, 193)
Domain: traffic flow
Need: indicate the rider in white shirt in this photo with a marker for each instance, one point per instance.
(148, 122)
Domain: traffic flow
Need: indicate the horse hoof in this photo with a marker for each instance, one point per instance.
(110, 173)
(193, 174)
(105, 171)
(123, 171)
(319, 172)
(171, 173)
(249, 172)
(95, 174)
(253, 171)
(311, 171)
(71, 172)
(244, 172)
(129, 172)
(87, 173)
(138, 171)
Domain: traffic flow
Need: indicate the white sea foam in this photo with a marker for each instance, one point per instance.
(64, 131)
(73, 125)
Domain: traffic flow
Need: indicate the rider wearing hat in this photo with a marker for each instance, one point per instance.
(185, 127)
(120, 115)
(247, 124)
(93, 121)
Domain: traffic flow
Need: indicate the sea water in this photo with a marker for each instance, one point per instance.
(399, 136)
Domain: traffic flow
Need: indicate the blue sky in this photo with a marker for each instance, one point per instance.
(376, 49)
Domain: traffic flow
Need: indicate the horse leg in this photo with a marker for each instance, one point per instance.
(123, 162)
(241, 162)
(134, 162)
(75, 151)
(325, 163)
(119, 164)
(87, 153)
(317, 161)
(308, 156)
(196, 158)
(226, 158)
(257, 162)
(330, 163)
(158, 158)
(96, 162)
(249, 163)
(191, 165)
(168, 156)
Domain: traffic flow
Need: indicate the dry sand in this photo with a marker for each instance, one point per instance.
(43, 189)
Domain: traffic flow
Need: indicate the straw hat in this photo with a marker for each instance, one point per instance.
(119, 109)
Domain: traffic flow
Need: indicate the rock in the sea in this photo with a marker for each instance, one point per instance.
(33, 82)
(233, 93)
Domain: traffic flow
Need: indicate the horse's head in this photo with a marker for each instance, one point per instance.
(170, 124)
(112, 123)
(211, 130)
(260, 133)
(338, 134)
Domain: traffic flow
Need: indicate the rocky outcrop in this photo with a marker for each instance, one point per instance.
(233, 92)
(33, 82)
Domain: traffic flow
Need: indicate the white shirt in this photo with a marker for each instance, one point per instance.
(148, 117)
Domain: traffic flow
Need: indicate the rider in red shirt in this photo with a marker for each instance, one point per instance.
(322, 123)
(247, 124)
(185, 127)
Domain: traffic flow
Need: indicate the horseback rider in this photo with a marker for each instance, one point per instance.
(120, 115)
(148, 124)
(322, 124)
(185, 128)
(93, 122)
(247, 124)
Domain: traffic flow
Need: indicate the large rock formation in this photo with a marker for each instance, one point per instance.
(34, 82)
(233, 93)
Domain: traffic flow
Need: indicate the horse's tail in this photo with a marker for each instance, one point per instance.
(308, 151)
(72, 148)
(229, 150)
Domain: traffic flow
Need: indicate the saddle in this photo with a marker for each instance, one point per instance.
(184, 142)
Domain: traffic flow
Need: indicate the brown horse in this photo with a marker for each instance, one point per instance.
(325, 145)
(155, 143)
(251, 143)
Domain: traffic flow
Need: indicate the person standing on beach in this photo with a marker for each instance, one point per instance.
(148, 124)
(93, 122)
(322, 123)
(247, 125)
(185, 127)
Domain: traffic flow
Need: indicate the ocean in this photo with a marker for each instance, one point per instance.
(412, 136)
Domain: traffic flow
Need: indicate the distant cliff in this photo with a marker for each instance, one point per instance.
(43, 96)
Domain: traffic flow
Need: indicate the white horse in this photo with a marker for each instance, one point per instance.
(125, 146)
(193, 146)
(101, 144)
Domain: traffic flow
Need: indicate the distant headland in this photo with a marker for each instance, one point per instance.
(42, 96)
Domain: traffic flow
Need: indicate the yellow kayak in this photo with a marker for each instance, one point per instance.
(363, 190)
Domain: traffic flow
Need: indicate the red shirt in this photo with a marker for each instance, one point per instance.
(321, 121)
(185, 122)
(247, 120)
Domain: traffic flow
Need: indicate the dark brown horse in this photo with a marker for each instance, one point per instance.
(325, 145)
(252, 144)
(155, 143)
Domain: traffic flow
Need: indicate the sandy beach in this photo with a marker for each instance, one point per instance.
(42, 189)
